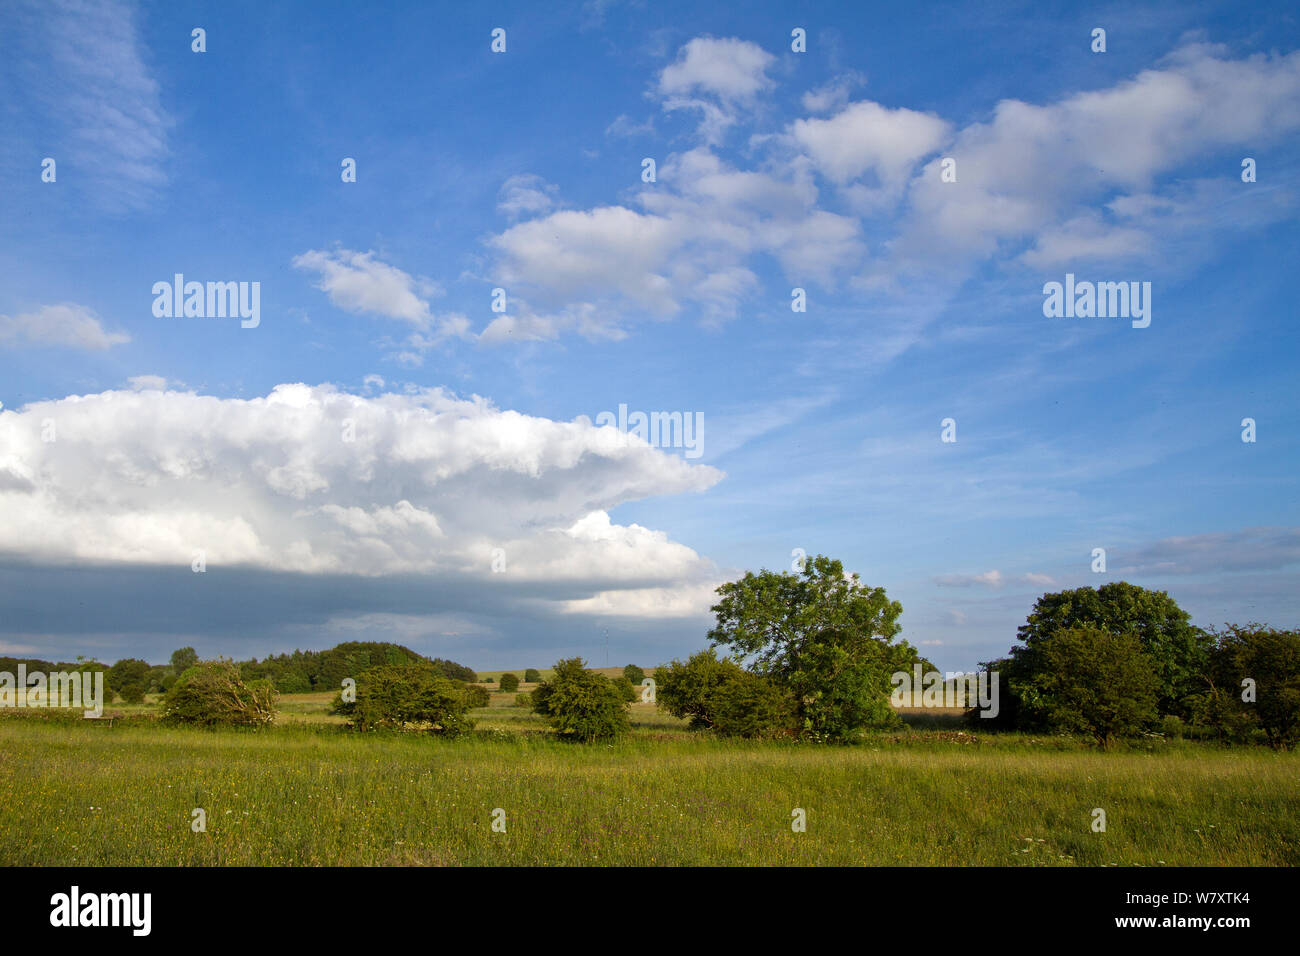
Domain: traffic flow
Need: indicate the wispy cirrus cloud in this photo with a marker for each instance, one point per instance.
(97, 108)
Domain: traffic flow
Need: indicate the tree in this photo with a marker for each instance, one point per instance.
(532, 675)
(580, 703)
(395, 695)
(1178, 650)
(129, 678)
(1094, 681)
(212, 693)
(354, 658)
(509, 683)
(183, 659)
(720, 695)
(822, 636)
(634, 674)
(1253, 685)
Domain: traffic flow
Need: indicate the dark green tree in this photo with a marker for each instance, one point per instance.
(1253, 685)
(532, 675)
(634, 674)
(183, 659)
(509, 683)
(129, 678)
(1178, 651)
(1094, 681)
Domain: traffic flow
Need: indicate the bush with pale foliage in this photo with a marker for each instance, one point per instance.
(212, 693)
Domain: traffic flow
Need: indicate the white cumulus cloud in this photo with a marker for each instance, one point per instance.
(66, 325)
(309, 480)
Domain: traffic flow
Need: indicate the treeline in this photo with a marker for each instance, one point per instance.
(304, 671)
(1120, 660)
(297, 673)
(811, 655)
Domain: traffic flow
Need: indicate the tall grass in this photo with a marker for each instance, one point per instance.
(313, 794)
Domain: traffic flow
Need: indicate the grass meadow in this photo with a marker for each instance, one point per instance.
(308, 792)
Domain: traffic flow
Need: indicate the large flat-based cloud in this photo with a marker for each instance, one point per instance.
(314, 481)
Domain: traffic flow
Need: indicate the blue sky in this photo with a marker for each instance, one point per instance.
(522, 170)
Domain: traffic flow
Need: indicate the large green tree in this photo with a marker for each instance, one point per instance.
(1179, 652)
(823, 636)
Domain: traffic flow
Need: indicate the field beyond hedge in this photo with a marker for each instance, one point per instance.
(310, 793)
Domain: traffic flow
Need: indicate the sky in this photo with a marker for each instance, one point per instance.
(821, 234)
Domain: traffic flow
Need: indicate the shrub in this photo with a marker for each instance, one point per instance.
(721, 695)
(625, 689)
(634, 674)
(509, 683)
(293, 682)
(524, 700)
(474, 694)
(748, 705)
(581, 704)
(394, 695)
(487, 679)
(685, 689)
(1092, 681)
(211, 693)
(532, 675)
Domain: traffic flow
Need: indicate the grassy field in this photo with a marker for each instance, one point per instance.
(308, 792)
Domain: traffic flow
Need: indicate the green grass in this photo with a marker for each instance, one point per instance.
(308, 793)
